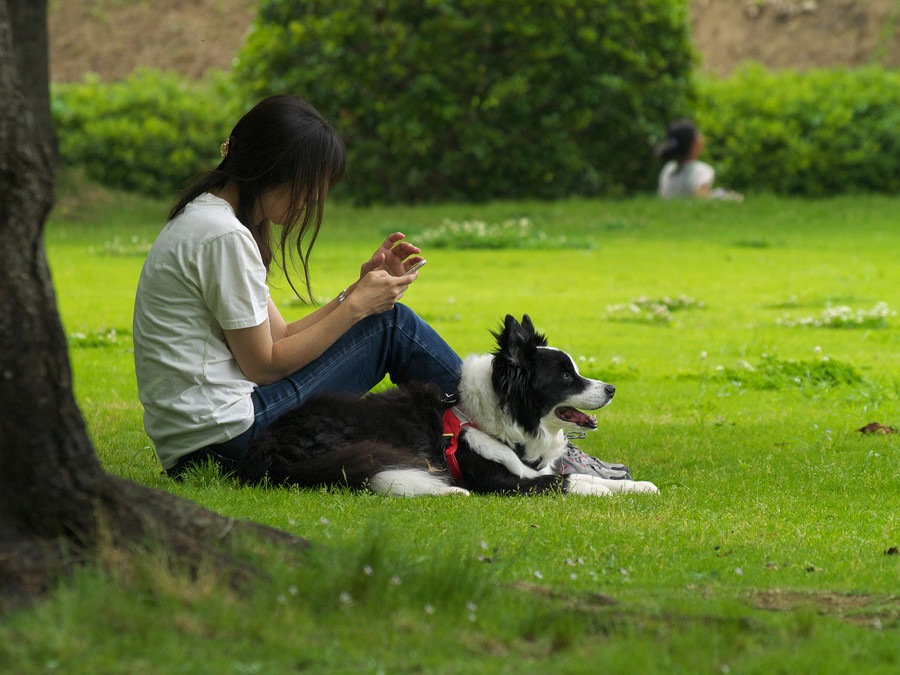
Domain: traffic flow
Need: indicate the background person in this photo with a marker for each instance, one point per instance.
(683, 174)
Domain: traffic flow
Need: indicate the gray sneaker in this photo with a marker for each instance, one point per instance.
(575, 461)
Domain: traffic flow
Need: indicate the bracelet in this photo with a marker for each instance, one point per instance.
(342, 296)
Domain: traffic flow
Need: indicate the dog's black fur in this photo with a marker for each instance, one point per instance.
(345, 439)
(520, 401)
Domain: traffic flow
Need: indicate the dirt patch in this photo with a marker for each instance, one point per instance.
(796, 34)
(113, 37)
(864, 610)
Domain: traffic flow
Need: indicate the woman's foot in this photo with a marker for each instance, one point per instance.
(576, 461)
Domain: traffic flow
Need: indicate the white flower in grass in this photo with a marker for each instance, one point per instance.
(429, 610)
(884, 310)
(346, 598)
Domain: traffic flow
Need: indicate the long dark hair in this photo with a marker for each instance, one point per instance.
(282, 141)
(680, 137)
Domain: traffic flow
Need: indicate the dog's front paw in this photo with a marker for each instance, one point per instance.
(640, 486)
(583, 484)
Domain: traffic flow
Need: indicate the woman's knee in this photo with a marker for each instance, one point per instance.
(405, 317)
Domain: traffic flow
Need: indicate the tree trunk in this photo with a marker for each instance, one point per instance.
(30, 51)
(56, 502)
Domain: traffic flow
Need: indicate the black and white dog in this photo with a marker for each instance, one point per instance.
(503, 432)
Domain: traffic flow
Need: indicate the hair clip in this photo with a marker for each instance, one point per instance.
(226, 147)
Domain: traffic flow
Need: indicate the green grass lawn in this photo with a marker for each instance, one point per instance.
(748, 343)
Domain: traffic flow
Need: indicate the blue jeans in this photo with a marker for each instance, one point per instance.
(396, 343)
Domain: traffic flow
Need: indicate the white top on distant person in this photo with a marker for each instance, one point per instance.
(683, 174)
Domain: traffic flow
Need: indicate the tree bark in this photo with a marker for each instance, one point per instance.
(29, 32)
(57, 504)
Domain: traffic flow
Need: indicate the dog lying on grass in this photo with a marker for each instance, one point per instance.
(502, 433)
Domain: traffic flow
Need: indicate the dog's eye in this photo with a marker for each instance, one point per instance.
(567, 377)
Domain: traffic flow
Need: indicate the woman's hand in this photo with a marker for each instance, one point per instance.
(384, 278)
(274, 349)
(377, 292)
(392, 256)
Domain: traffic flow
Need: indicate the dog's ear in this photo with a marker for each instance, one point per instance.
(518, 341)
(506, 330)
(513, 341)
(539, 339)
(511, 369)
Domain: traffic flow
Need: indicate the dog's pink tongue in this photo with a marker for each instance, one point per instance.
(576, 417)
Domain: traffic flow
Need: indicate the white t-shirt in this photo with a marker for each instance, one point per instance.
(203, 274)
(683, 181)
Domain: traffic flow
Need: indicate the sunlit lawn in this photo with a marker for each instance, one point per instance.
(771, 548)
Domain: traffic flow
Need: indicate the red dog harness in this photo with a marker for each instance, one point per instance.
(452, 429)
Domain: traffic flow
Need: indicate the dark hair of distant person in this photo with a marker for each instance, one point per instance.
(681, 136)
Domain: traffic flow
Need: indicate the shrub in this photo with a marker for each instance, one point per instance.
(651, 310)
(149, 133)
(841, 316)
(774, 373)
(481, 99)
(513, 233)
(816, 133)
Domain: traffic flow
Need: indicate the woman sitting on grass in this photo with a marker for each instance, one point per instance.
(215, 360)
(683, 174)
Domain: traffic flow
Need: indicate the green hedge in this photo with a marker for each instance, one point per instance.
(815, 133)
(149, 133)
(480, 99)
